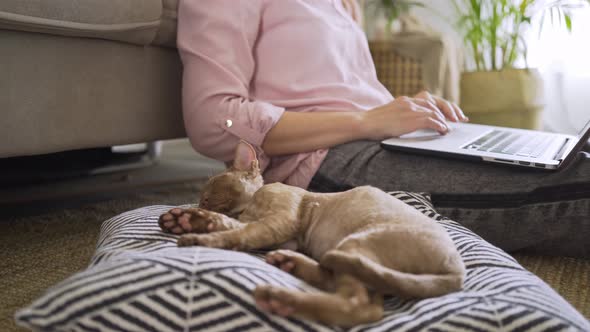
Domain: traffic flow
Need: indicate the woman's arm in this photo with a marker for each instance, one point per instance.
(215, 42)
(303, 132)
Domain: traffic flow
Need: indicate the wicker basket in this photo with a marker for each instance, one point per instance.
(402, 76)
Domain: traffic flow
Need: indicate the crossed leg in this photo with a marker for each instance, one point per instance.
(349, 305)
(344, 302)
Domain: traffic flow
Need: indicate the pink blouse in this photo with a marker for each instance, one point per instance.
(248, 61)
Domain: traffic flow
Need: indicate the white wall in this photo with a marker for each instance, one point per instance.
(562, 58)
(439, 14)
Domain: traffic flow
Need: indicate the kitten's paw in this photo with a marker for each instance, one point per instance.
(285, 260)
(169, 222)
(300, 266)
(275, 300)
(293, 262)
(180, 221)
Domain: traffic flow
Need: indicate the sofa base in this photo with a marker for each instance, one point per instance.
(73, 164)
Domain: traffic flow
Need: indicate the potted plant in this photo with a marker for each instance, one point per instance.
(387, 11)
(398, 52)
(498, 92)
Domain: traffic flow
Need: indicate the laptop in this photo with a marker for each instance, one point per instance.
(519, 147)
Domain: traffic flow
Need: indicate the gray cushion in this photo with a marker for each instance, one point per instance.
(139, 280)
(133, 21)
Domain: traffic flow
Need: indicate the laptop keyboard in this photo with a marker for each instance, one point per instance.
(512, 143)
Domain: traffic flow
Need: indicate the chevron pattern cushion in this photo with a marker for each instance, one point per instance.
(140, 281)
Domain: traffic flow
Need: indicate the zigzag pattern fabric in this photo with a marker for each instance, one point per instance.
(139, 280)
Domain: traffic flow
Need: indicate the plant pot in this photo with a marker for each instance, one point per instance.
(509, 98)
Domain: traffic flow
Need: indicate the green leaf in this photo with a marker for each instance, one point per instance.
(493, 29)
(568, 21)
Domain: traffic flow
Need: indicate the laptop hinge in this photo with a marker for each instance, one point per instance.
(559, 155)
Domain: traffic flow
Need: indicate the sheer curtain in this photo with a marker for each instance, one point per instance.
(564, 61)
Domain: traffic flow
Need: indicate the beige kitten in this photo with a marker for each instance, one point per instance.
(363, 243)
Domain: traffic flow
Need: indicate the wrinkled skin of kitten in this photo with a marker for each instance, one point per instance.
(360, 244)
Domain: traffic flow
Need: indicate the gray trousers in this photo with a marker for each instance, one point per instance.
(540, 211)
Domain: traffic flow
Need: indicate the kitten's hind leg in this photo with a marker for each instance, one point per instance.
(401, 261)
(350, 305)
(195, 220)
(302, 267)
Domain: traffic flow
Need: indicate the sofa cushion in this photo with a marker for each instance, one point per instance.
(139, 280)
(132, 21)
(166, 35)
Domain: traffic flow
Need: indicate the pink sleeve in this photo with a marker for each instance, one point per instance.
(215, 41)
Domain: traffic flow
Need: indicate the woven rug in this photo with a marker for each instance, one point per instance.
(39, 251)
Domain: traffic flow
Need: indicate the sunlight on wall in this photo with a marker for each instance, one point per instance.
(562, 50)
(562, 58)
(564, 61)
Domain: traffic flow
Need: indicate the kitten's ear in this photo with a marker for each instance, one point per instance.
(245, 157)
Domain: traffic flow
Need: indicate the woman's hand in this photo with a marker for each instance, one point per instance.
(450, 110)
(405, 115)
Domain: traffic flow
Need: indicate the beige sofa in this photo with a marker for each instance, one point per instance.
(87, 73)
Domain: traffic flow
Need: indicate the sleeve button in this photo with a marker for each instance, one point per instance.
(228, 123)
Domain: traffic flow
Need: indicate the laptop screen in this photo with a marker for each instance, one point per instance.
(584, 129)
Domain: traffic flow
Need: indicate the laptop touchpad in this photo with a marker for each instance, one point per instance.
(422, 135)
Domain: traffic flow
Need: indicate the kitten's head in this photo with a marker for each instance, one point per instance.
(230, 191)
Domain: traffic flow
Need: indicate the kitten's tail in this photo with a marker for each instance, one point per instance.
(389, 281)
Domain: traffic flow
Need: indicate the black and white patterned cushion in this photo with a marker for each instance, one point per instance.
(139, 280)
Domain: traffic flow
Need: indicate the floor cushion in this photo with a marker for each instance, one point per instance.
(139, 280)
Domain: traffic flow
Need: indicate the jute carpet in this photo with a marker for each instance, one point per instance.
(38, 251)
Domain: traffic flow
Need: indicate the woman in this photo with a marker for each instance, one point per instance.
(295, 79)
